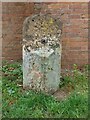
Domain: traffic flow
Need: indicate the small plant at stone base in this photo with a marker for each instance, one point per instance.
(71, 78)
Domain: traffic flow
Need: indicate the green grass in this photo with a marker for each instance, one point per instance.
(20, 103)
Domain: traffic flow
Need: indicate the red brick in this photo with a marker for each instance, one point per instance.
(75, 30)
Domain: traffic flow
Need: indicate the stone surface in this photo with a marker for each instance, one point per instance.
(42, 53)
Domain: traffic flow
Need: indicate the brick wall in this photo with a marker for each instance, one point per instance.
(13, 17)
(75, 29)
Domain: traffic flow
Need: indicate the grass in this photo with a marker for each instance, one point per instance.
(20, 103)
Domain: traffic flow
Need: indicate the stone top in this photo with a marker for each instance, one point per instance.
(41, 30)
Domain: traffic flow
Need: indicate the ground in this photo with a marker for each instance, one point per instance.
(70, 101)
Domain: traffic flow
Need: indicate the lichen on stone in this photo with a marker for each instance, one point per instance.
(41, 28)
(42, 52)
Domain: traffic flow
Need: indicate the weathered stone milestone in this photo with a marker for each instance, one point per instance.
(42, 53)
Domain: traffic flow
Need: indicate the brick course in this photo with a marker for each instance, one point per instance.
(75, 29)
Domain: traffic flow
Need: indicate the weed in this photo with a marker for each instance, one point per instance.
(19, 103)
